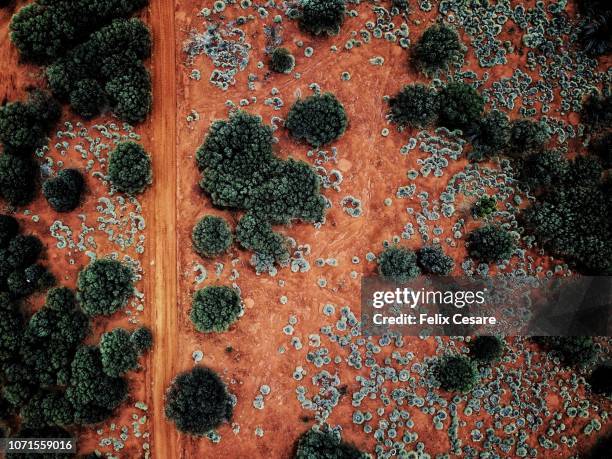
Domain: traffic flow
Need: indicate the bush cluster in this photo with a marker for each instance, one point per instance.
(104, 287)
(282, 61)
(129, 168)
(438, 47)
(433, 260)
(197, 401)
(319, 444)
(456, 373)
(215, 308)
(491, 243)
(211, 236)
(486, 348)
(398, 264)
(416, 105)
(317, 120)
(322, 16)
(63, 192)
(107, 69)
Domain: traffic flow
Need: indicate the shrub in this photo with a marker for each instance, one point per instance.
(197, 401)
(9, 228)
(318, 119)
(491, 243)
(456, 373)
(282, 61)
(104, 287)
(416, 105)
(438, 47)
(596, 112)
(18, 178)
(602, 148)
(433, 260)
(63, 192)
(87, 99)
(129, 168)
(24, 125)
(398, 264)
(257, 235)
(527, 136)
(211, 236)
(460, 106)
(322, 16)
(317, 444)
(142, 339)
(118, 354)
(601, 379)
(484, 207)
(492, 133)
(214, 308)
(486, 348)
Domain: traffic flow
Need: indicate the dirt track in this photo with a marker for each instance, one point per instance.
(161, 287)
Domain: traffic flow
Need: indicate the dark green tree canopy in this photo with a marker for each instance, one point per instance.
(129, 168)
(438, 47)
(486, 348)
(197, 401)
(211, 236)
(318, 119)
(215, 308)
(18, 179)
(118, 353)
(491, 243)
(319, 444)
(282, 61)
(433, 260)
(574, 350)
(322, 16)
(461, 106)
(398, 264)
(9, 228)
(104, 287)
(602, 148)
(416, 105)
(257, 235)
(87, 98)
(601, 379)
(456, 373)
(527, 136)
(63, 192)
(142, 339)
(596, 112)
(492, 134)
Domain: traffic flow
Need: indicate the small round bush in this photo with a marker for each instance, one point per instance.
(142, 339)
(9, 228)
(484, 207)
(282, 61)
(438, 47)
(129, 168)
(104, 287)
(601, 379)
(491, 243)
(433, 260)
(416, 105)
(322, 16)
(118, 353)
(461, 106)
(318, 119)
(527, 136)
(211, 236)
(88, 98)
(398, 264)
(456, 373)
(197, 401)
(215, 308)
(317, 444)
(63, 192)
(486, 348)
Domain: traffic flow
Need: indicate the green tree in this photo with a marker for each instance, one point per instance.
(461, 106)
(433, 260)
(118, 353)
(18, 179)
(197, 401)
(215, 308)
(416, 105)
(438, 47)
(601, 379)
(596, 112)
(486, 348)
(104, 287)
(257, 235)
(319, 444)
(282, 61)
(491, 243)
(492, 134)
(87, 98)
(63, 192)
(142, 339)
(9, 228)
(129, 168)
(318, 119)
(322, 16)
(527, 136)
(456, 373)
(398, 264)
(211, 236)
